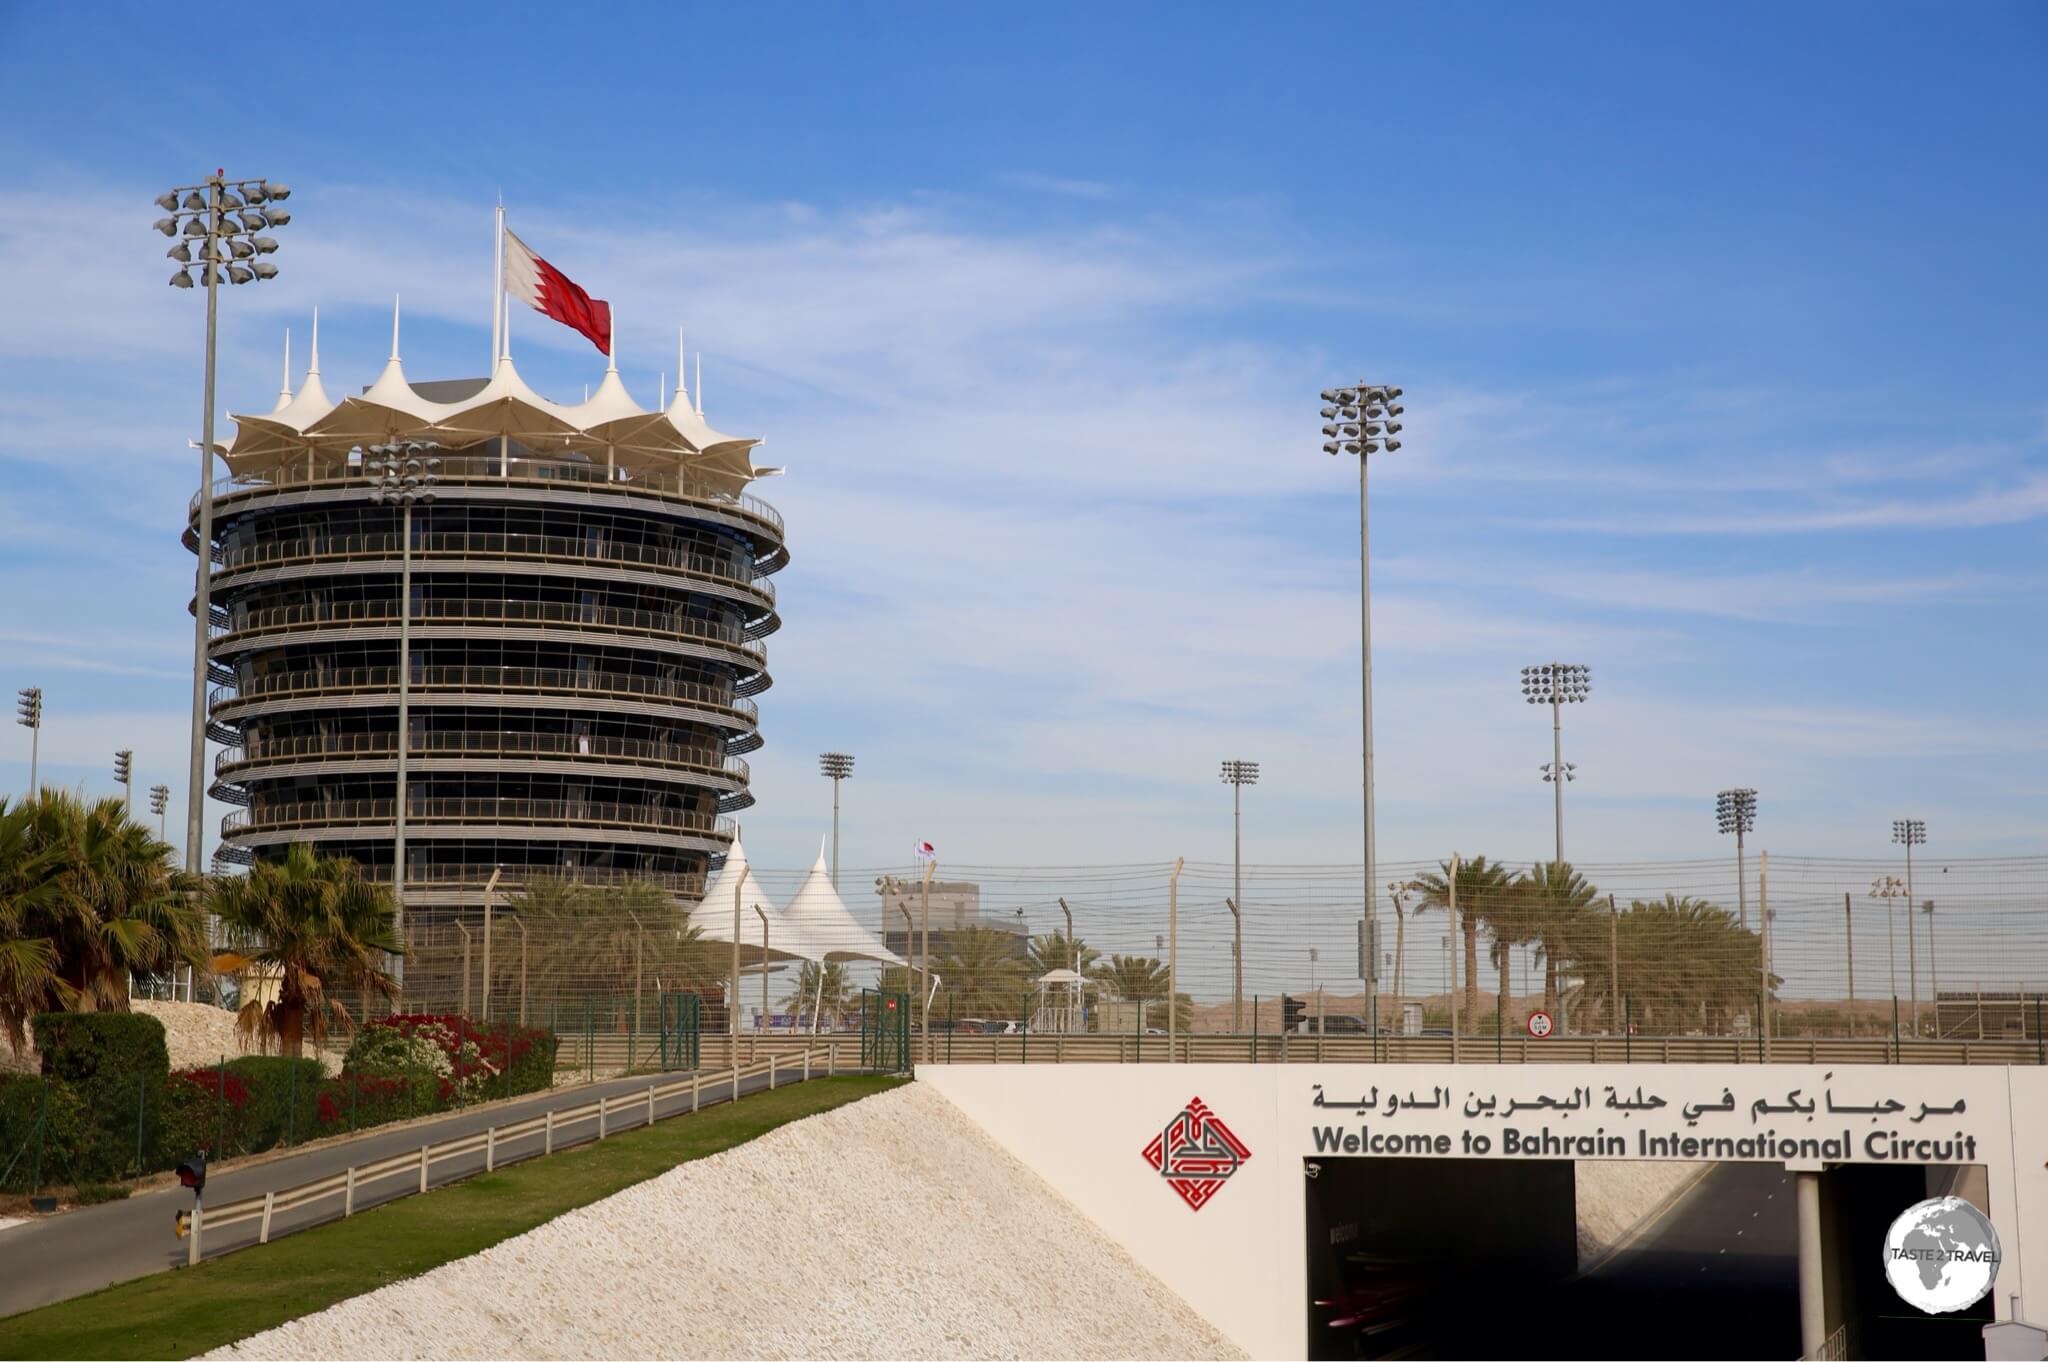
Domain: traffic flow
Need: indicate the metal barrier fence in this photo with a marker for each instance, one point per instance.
(337, 1193)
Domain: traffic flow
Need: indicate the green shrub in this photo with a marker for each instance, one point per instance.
(93, 1193)
(204, 1108)
(117, 1063)
(284, 1100)
(65, 1135)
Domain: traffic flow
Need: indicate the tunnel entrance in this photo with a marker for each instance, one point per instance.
(1480, 1258)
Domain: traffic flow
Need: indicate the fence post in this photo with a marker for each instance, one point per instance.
(411, 1107)
(771, 1071)
(832, 1050)
(461, 1025)
(696, 1092)
(1628, 1029)
(220, 1103)
(1255, 1028)
(1025, 1058)
(348, 1194)
(735, 1077)
(263, 1231)
(2040, 1053)
(192, 1240)
(35, 1177)
(548, 1138)
(491, 1150)
(291, 1110)
(139, 1100)
(807, 1056)
(650, 1104)
(353, 1084)
(600, 1117)
(1895, 1028)
(425, 1158)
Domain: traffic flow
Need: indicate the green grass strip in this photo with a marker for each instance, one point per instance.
(193, 1310)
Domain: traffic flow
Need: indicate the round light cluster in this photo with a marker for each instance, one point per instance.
(1240, 773)
(1361, 419)
(1557, 683)
(1735, 810)
(404, 472)
(835, 765)
(218, 227)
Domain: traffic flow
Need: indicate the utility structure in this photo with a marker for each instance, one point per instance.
(402, 475)
(573, 627)
(28, 712)
(1361, 421)
(1237, 775)
(835, 767)
(159, 803)
(225, 220)
(1910, 833)
(124, 776)
(1557, 684)
(1890, 889)
(1735, 811)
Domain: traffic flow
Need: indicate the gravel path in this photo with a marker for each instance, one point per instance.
(892, 1227)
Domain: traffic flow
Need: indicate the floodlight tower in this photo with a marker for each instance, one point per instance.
(224, 219)
(159, 801)
(1735, 810)
(835, 767)
(1910, 833)
(1557, 684)
(402, 473)
(28, 712)
(124, 772)
(1361, 421)
(1237, 775)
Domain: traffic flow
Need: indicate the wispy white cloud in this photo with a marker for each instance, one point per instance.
(1040, 183)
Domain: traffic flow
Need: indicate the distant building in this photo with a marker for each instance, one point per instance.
(955, 907)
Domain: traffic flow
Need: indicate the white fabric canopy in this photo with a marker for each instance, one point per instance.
(713, 916)
(827, 927)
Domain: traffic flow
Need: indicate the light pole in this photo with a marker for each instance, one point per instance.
(1891, 889)
(835, 767)
(404, 474)
(1399, 891)
(28, 712)
(1735, 810)
(1360, 421)
(1933, 968)
(1237, 775)
(1910, 833)
(159, 801)
(124, 773)
(1557, 684)
(223, 219)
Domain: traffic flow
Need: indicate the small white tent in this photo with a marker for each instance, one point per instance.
(827, 926)
(713, 918)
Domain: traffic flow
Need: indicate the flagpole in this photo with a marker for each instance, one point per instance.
(498, 290)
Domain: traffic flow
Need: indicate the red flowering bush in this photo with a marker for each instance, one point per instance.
(204, 1109)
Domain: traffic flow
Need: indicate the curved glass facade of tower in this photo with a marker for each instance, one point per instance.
(585, 649)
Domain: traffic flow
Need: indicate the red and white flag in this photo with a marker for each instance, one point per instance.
(926, 851)
(553, 294)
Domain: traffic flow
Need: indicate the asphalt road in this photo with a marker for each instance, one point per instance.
(83, 1250)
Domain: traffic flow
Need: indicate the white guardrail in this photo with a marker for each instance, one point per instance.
(418, 1164)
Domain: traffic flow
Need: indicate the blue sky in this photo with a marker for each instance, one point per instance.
(1720, 329)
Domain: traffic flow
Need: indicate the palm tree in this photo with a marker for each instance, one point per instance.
(1681, 962)
(1556, 898)
(1133, 978)
(589, 940)
(1054, 951)
(829, 992)
(308, 927)
(29, 977)
(88, 897)
(1484, 893)
(982, 972)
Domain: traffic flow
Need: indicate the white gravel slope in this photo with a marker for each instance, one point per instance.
(1615, 1196)
(892, 1227)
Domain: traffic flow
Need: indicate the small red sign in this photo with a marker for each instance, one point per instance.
(1196, 1154)
(1539, 1024)
(890, 1004)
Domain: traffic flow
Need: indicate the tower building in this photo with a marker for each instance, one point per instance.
(589, 588)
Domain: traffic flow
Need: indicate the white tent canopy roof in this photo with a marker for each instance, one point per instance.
(608, 426)
(828, 927)
(713, 916)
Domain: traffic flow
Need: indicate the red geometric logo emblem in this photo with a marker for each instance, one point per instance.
(1196, 1154)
